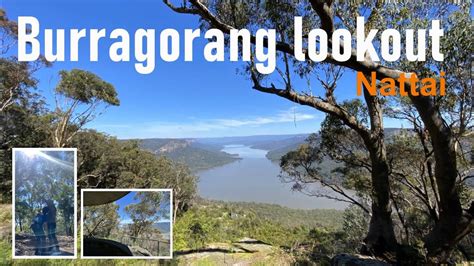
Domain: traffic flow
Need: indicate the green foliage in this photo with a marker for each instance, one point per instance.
(106, 162)
(86, 87)
(184, 185)
(100, 220)
(458, 48)
(5, 252)
(20, 106)
(15, 77)
(214, 222)
(291, 218)
(408, 159)
(147, 211)
(355, 224)
(8, 27)
(198, 235)
(79, 94)
(209, 224)
(308, 165)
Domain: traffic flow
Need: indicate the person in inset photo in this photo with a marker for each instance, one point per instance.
(37, 228)
(51, 225)
(44, 201)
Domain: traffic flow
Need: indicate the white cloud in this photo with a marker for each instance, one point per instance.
(195, 127)
(291, 115)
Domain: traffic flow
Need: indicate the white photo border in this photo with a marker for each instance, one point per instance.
(127, 190)
(14, 256)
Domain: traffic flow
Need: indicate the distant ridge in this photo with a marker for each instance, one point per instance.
(196, 155)
(205, 153)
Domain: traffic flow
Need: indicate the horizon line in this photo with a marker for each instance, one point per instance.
(239, 136)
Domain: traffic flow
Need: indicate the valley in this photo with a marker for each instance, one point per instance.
(197, 156)
(255, 178)
(207, 153)
(242, 169)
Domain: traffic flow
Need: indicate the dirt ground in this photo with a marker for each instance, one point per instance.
(25, 245)
(245, 252)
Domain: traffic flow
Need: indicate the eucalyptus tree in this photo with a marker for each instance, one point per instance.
(105, 162)
(441, 195)
(278, 15)
(101, 220)
(328, 15)
(149, 209)
(20, 105)
(79, 95)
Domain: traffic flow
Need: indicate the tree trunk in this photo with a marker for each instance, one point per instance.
(451, 225)
(381, 237)
(175, 211)
(68, 228)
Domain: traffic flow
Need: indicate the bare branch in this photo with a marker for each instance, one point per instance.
(182, 9)
(314, 102)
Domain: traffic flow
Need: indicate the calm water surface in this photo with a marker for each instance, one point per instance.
(254, 178)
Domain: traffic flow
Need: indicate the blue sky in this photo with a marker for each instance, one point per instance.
(127, 200)
(179, 99)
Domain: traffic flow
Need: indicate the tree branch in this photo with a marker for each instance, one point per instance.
(181, 9)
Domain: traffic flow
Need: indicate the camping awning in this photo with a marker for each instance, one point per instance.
(92, 198)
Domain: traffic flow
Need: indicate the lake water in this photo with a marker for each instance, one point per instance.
(254, 178)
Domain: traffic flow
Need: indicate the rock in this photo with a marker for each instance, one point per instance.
(252, 245)
(139, 251)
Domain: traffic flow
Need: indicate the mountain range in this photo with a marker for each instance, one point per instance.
(196, 155)
(205, 153)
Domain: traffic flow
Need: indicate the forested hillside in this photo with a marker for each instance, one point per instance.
(287, 217)
(276, 149)
(197, 156)
(298, 232)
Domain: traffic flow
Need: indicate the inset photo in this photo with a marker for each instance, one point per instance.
(44, 223)
(126, 223)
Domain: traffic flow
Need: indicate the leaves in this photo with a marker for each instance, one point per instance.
(150, 208)
(86, 87)
(101, 220)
